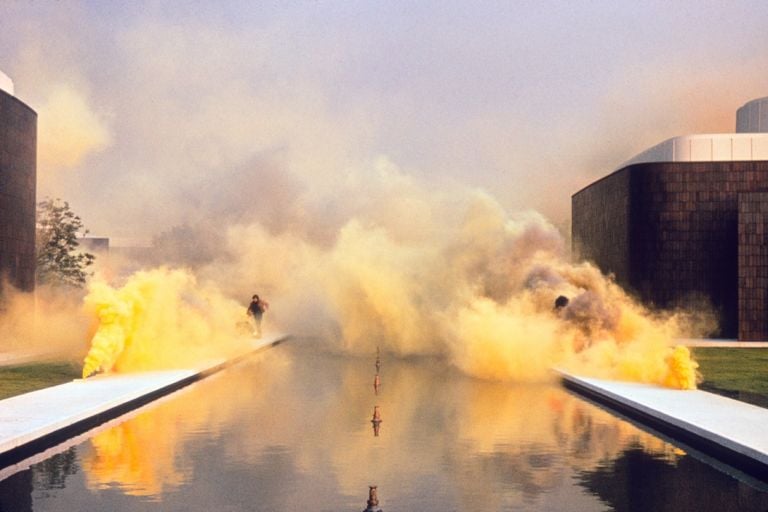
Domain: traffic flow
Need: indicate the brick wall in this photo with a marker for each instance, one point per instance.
(682, 244)
(600, 225)
(753, 266)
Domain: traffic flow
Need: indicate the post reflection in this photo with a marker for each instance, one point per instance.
(373, 500)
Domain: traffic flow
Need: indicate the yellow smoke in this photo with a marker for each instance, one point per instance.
(461, 279)
(464, 280)
(133, 455)
(159, 318)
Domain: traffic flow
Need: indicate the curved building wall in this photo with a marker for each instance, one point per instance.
(753, 116)
(682, 232)
(18, 164)
(602, 224)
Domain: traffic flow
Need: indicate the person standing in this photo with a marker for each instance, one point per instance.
(256, 310)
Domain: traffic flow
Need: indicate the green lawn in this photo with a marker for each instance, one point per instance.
(740, 373)
(23, 378)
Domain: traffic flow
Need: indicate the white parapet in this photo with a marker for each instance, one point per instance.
(713, 147)
(6, 84)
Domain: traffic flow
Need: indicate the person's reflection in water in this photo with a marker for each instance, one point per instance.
(376, 384)
(373, 500)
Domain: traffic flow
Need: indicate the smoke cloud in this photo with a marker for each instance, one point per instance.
(48, 323)
(69, 129)
(195, 100)
(246, 147)
(158, 319)
(412, 270)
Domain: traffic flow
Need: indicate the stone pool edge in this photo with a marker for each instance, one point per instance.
(729, 431)
(34, 422)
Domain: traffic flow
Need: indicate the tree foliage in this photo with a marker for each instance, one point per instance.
(59, 261)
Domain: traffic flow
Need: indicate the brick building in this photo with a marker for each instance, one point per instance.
(686, 221)
(18, 172)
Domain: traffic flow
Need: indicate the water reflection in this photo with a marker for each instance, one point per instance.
(376, 420)
(16, 492)
(373, 500)
(292, 431)
(657, 483)
(49, 475)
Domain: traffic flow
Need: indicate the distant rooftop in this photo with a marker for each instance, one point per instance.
(6, 84)
(749, 143)
(715, 147)
(753, 117)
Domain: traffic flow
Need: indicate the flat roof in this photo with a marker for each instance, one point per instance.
(705, 147)
(6, 84)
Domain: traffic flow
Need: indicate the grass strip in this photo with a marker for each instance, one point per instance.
(23, 378)
(739, 373)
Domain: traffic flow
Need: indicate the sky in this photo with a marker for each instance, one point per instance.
(154, 115)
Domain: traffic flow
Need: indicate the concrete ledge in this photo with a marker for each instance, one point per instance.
(720, 343)
(35, 421)
(725, 429)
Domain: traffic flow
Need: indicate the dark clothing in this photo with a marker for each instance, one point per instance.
(256, 309)
(561, 302)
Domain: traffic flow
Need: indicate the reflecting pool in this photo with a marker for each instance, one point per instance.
(291, 429)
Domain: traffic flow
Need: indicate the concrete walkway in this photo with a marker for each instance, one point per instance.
(730, 431)
(35, 421)
(719, 343)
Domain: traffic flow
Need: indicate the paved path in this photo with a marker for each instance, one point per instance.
(720, 343)
(731, 431)
(32, 422)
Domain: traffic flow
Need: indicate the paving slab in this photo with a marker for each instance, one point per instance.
(719, 343)
(32, 422)
(731, 431)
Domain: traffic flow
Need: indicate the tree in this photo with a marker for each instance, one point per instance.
(59, 262)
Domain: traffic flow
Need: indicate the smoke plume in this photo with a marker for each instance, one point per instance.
(412, 270)
(49, 322)
(158, 319)
(70, 130)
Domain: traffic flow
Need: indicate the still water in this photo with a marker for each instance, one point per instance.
(291, 430)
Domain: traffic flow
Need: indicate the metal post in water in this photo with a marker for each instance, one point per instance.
(376, 421)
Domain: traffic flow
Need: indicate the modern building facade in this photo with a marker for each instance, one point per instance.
(685, 223)
(753, 117)
(94, 244)
(18, 179)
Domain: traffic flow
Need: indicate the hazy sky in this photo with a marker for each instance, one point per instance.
(153, 113)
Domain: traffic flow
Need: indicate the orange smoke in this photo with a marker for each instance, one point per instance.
(461, 279)
(159, 319)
